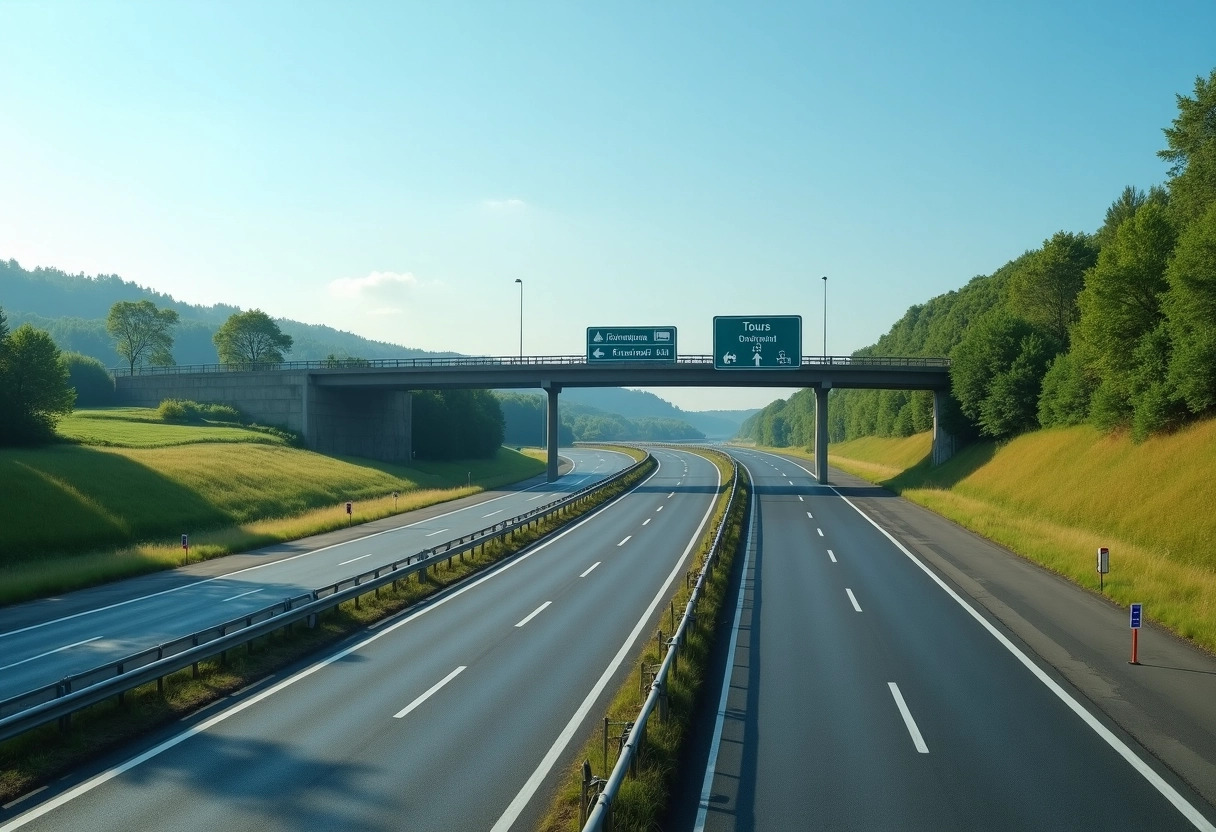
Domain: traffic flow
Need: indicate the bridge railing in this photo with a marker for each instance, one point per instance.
(849, 361)
(59, 700)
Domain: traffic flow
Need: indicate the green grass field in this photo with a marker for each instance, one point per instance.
(1055, 496)
(71, 515)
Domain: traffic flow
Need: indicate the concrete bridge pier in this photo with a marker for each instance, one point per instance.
(551, 431)
(821, 432)
(943, 441)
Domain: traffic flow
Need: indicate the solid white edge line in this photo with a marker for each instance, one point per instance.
(121, 768)
(430, 692)
(533, 614)
(50, 652)
(853, 599)
(714, 744)
(309, 553)
(517, 806)
(626, 540)
(590, 568)
(917, 739)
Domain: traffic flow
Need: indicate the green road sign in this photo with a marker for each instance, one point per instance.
(771, 342)
(631, 343)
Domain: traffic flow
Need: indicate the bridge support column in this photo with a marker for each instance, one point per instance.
(943, 441)
(821, 433)
(551, 432)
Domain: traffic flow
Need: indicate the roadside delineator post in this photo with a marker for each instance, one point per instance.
(1103, 565)
(186, 545)
(1136, 614)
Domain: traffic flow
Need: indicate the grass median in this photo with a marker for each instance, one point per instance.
(37, 756)
(642, 801)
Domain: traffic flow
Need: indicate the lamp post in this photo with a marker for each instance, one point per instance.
(825, 316)
(521, 317)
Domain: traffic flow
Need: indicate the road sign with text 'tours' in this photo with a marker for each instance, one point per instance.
(772, 342)
(631, 343)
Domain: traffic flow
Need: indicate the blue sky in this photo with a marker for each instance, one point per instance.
(391, 168)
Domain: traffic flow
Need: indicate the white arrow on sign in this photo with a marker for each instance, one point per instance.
(599, 353)
(756, 359)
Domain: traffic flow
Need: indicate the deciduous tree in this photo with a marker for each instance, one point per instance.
(1192, 151)
(251, 338)
(1190, 308)
(143, 332)
(35, 380)
(1045, 291)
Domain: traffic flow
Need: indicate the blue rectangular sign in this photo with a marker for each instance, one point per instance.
(1136, 608)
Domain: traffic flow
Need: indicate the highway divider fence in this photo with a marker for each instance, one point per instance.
(598, 794)
(59, 700)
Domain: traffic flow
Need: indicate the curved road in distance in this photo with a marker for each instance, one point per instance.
(40, 643)
(454, 716)
(862, 694)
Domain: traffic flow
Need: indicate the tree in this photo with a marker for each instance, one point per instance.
(996, 373)
(1192, 151)
(36, 386)
(1045, 291)
(251, 338)
(1190, 309)
(1066, 392)
(1121, 304)
(143, 332)
(90, 379)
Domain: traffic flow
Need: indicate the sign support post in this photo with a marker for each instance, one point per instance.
(1136, 614)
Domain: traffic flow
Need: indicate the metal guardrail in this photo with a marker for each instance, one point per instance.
(598, 818)
(502, 361)
(58, 701)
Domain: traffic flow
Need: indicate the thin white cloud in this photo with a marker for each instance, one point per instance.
(376, 283)
(504, 204)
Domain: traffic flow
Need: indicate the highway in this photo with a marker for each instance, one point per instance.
(43, 641)
(460, 714)
(863, 692)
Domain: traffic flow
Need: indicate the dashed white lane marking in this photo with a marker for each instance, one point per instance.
(492, 513)
(242, 595)
(433, 690)
(537, 497)
(917, 739)
(533, 614)
(660, 508)
(352, 560)
(853, 600)
(810, 516)
(432, 534)
(626, 540)
(831, 555)
(50, 652)
(590, 568)
(672, 494)
(647, 520)
(800, 499)
(791, 482)
(820, 532)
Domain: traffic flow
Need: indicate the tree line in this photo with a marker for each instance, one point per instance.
(525, 418)
(1115, 328)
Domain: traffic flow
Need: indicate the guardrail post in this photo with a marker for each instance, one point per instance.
(160, 680)
(122, 694)
(194, 666)
(63, 689)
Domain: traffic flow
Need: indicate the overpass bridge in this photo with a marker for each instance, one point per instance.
(362, 407)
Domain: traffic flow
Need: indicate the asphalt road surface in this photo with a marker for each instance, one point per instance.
(456, 715)
(43, 641)
(865, 693)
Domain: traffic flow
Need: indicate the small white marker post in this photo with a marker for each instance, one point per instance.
(186, 545)
(1136, 614)
(1103, 565)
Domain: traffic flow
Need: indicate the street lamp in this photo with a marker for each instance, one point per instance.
(521, 317)
(825, 316)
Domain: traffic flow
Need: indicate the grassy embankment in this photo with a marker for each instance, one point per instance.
(75, 515)
(1055, 496)
(642, 801)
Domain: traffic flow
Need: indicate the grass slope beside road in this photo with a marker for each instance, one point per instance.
(75, 515)
(1055, 496)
